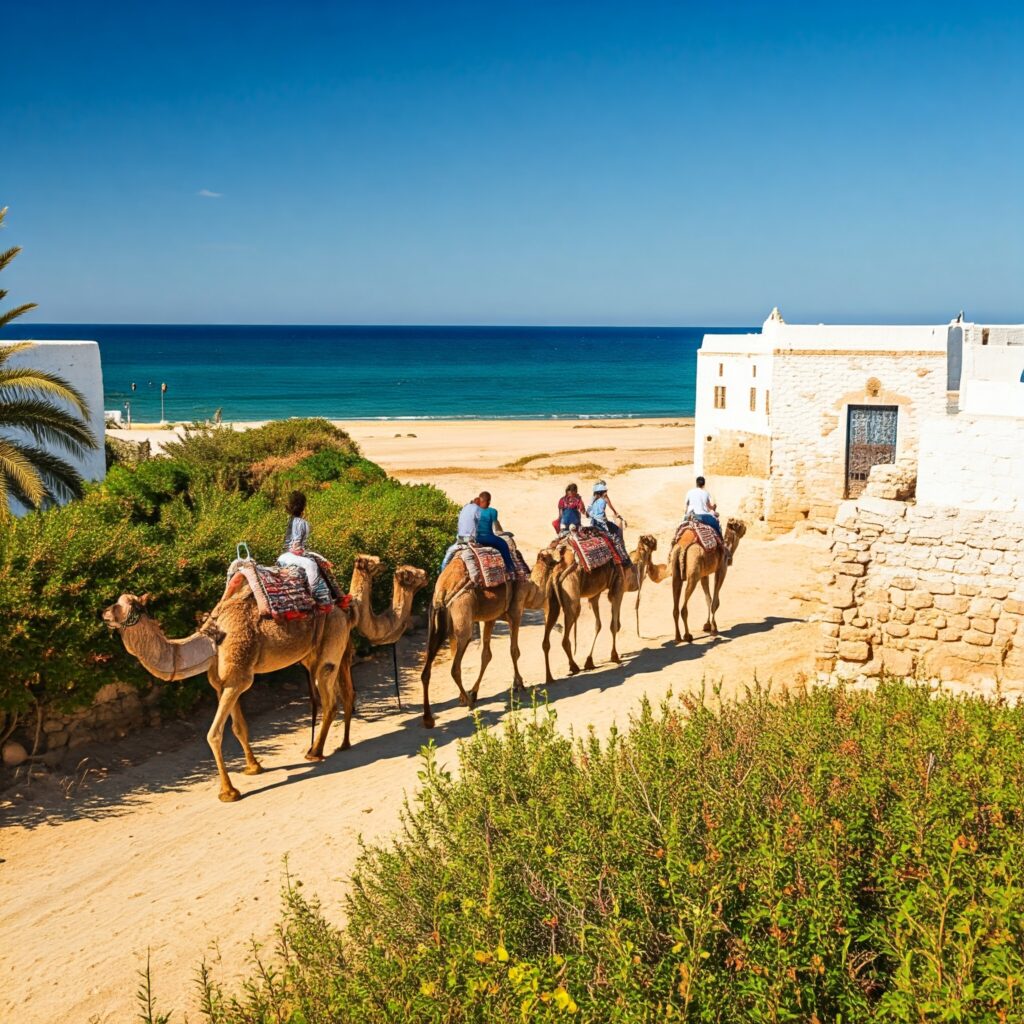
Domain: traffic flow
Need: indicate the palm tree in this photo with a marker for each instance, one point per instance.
(41, 415)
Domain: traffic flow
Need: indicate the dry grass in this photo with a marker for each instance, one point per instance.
(523, 462)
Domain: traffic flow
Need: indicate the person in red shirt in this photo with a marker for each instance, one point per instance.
(570, 509)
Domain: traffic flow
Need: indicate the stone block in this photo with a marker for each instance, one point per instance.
(903, 583)
(852, 633)
(854, 650)
(898, 663)
(1012, 605)
(898, 598)
(983, 624)
(881, 507)
(107, 693)
(924, 632)
(968, 590)
(850, 568)
(996, 593)
(920, 599)
(940, 587)
(977, 639)
(897, 629)
(956, 605)
(841, 594)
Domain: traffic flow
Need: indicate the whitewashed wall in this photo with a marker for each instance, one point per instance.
(990, 382)
(972, 462)
(78, 362)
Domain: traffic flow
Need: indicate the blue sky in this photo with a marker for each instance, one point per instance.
(593, 163)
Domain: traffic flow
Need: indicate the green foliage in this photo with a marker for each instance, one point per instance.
(169, 527)
(316, 471)
(833, 856)
(232, 458)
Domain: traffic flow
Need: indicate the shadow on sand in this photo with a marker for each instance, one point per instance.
(188, 761)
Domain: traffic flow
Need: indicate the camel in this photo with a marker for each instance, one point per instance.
(572, 584)
(235, 642)
(689, 562)
(457, 605)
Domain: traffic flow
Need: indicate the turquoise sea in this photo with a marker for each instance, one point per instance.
(255, 373)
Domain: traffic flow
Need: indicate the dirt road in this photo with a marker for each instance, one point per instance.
(147, 858)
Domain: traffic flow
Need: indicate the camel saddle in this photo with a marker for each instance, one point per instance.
(594, 548)
(486, 567)
(282, 591)
(703, 535)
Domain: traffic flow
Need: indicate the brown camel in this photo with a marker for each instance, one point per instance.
(236, 642)
(457, 605)
(572, 584)
(689, 562)
(388, 626)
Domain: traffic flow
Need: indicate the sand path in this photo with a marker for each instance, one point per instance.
(147, 858)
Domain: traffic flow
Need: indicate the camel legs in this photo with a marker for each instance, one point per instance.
(691, 584)
(228, 698)
(677, 590)
(513, 632)
(709, 626)
(595, 604)
(462, 633)
(616, 600)
(240, 728)
(570, 613)
(437, 632)
(551, 611)
(485, 658)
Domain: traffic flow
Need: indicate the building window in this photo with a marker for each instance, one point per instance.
(721, 369)
(754, 370)
(753, 399)
(719, 397)
(767, 403)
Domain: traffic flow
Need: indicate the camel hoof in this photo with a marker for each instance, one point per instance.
(713, 632)
(708, 628)
(688, 638)
(345, 745)
(574, 669)
(310, 756)
(428, 721)
(254, 769)
(229, 796)
(588, 665)
(616, 659)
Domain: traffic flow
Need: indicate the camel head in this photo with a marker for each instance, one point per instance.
(370, 565)
(408, 577)
(734, 531)
(647, 545)
(125, 611)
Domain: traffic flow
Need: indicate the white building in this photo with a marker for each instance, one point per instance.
(78, 362)
(810, 409)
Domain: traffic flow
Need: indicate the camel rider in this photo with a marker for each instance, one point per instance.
(295, 539)
(469, 517)
(598, 511)
(701, 506)
(486, 534)
(570, 510)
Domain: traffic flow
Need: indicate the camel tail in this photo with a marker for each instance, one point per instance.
(437, 630)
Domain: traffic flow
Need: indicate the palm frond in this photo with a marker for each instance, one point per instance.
(18, 476)
(60, 481)
(11, 348)
(13, 314)
(20, 381)
(48, 424)
(8, 254)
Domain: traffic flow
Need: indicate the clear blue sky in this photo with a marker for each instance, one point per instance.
(644, 163)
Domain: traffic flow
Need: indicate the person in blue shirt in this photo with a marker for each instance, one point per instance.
(469, 518)
(599, 508)
(486, 528)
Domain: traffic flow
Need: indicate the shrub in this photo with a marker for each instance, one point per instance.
(314, 472)
(169, 526)
(833, 856)
(227, 457)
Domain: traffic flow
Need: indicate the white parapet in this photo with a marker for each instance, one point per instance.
(78, 362)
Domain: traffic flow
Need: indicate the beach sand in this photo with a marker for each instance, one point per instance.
(147, 858)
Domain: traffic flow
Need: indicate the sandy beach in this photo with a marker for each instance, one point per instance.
(143, 856)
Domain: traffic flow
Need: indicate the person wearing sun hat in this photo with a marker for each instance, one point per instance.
(599, 507)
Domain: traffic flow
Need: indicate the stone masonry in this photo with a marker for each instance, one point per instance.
(925, 591)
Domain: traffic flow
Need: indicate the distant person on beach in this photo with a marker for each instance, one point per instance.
(598, 510)
(701, 506)
(570, 509)
(469, 517)
(296, 537)
(487, 529)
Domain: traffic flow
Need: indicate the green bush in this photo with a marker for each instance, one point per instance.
(833, 856)
(170, 526)
(315, 472)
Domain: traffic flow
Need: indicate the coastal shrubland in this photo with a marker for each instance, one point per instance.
(169, 526)
(833, 855)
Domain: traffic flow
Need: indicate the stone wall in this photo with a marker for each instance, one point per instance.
(812, 390)
(737, 453)
(932, 592)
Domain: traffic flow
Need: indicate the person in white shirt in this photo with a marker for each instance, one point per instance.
(701, 506)
(469, 518)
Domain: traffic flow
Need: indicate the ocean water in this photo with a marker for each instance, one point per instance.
(255, 373)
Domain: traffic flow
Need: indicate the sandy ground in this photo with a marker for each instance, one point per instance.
(146, 858)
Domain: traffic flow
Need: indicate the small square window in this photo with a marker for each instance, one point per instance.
(719, 397)
(721, 369)
(754, 370)
(753, 399)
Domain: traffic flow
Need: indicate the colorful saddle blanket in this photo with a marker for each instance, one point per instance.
(487, 567)
(282, 591)
(594, 548)
(704, 534)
